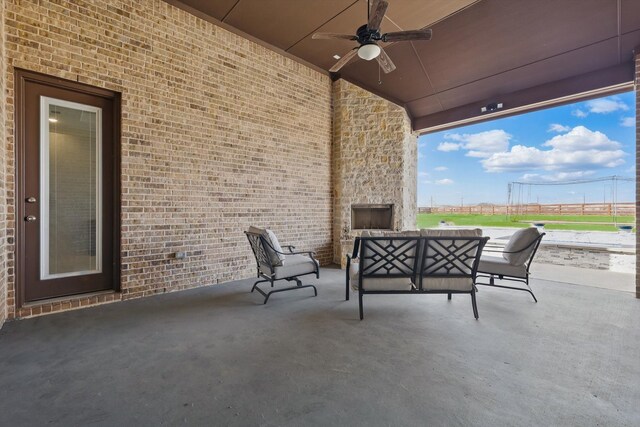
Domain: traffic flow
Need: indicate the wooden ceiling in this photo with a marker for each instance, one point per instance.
(518, 52)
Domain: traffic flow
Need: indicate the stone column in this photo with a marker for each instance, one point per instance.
(637, 91)
(374, 160)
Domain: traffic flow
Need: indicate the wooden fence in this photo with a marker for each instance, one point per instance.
(607, 209)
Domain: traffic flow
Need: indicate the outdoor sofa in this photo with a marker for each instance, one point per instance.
(430, 261)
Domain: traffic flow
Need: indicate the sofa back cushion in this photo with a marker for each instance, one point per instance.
(520, 246)
(450, 254)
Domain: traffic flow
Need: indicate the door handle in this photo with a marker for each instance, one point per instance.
(30, 218)
(31, 200)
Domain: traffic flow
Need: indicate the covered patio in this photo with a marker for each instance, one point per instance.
(217, 356)
(207, 117)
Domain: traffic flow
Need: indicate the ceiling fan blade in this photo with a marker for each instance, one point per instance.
(385, 62)
(343, 61)
(400, 36)
(329, 36)
(377, 13)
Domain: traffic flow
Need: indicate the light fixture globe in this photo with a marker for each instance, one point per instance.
(369, 51)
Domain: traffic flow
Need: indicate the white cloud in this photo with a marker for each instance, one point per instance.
(578, 150)
(448, 146)
(628, 122)
(580, 138)
(445, 181)
(606, 105)
(481, 144)
(423, 174)
(579, 113)
(556, 127)
(441, 168)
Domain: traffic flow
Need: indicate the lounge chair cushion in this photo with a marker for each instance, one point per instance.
(377, 283)
(275, 243)
(500, 266)
(276, 259)
(292, 265)
(520, 240)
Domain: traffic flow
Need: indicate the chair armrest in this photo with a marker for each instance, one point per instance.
(289, 247)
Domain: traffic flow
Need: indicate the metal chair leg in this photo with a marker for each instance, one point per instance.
(473, 303)
(360, 305)
(299, 285)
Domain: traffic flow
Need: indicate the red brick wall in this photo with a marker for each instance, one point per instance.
(217, 133)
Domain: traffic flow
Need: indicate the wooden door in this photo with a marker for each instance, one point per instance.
(67, 202)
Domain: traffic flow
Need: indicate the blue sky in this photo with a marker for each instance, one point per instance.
(585, 140)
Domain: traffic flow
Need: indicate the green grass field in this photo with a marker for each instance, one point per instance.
(432, 220)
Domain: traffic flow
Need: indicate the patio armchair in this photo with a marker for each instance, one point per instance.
(273, 264)
(514, 263)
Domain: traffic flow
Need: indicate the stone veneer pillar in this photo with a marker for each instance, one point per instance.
(637, 91)
(374, 161)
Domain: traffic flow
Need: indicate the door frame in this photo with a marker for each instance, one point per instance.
(21, 78)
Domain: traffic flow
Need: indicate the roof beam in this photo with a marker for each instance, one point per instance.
(610, 80)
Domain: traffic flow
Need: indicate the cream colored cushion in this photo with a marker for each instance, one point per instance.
(520, 240)
(462, 232)
(293, 265)
(276, 259)
(500, 266)
(377, 283)
(447, 283)
(275, 243)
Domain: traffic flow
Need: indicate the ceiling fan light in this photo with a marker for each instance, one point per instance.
(369, 51)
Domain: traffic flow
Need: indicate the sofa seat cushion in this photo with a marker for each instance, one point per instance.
(292, 265)
(377, 283)
(447, 283)
(500, 266)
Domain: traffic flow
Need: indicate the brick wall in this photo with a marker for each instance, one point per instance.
(374, 160)
(3, 158)
(217, 133)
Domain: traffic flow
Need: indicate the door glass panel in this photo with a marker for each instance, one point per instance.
(70, 189)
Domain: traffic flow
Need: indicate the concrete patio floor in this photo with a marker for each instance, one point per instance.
(217, 356)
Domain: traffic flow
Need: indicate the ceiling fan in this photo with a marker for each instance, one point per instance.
(369, 34)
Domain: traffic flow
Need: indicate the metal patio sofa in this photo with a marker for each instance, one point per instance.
(428, 261)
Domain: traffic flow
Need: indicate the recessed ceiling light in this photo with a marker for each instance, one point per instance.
(336, 56)
(53, 120)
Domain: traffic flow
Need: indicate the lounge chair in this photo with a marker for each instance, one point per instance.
(514, 263)
(273, 264)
